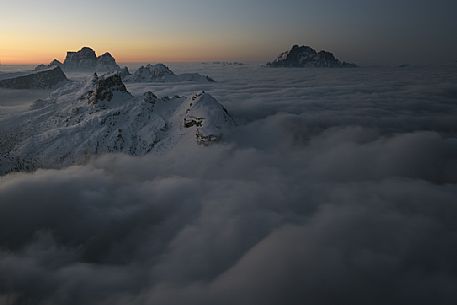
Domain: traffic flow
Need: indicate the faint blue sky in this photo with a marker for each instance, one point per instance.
(368, 32)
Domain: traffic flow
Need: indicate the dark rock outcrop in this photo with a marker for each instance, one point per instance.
(85, 60)
(161, 73)
(106, 62)
(304, 56)
(54, 63)
(124, 72)
(152, 73)
(103, 87)
(207, 117)
(42, 79)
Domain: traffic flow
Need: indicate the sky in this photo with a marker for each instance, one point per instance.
(365, 32)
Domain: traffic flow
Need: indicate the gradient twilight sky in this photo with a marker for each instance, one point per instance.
(361, 31)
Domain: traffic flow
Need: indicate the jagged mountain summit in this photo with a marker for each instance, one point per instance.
(161, 73)
(96, 116)
(39, 79)
(85, 60)
(53, 63)
(304, 56)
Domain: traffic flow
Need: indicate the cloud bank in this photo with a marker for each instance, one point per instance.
(305, 202)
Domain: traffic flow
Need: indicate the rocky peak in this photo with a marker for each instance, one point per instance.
(161, 73)
(54, 63)
(152, 72)
(106, 62)
(102, 88)
(124, 72)
(41, 79)
(84, 59)
(209, 118)
(305, 56)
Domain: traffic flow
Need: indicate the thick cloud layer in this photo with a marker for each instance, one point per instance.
(305, 202)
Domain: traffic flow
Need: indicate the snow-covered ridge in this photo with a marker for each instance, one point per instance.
(96, 116)
(161, 73)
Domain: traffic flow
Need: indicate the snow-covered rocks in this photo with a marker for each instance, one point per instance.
(102, 88)
(83, 119)
(124, 72)
(106, 62)
(161, 73)
(304, 56)
(152, 73)
(150, 98)
(209, 118)
(40, 79)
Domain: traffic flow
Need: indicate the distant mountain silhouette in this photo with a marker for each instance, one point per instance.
(304, 56)
(85, 60)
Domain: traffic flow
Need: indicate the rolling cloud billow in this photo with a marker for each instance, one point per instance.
(332, 194)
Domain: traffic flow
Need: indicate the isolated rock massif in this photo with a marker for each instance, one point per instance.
(161, 73)
(304, 56)
(85, 60)
(86, 118)
(40, 79)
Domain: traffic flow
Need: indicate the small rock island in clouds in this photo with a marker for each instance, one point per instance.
(85, 60)
(303, 56)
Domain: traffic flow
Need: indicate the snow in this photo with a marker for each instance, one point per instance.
(98, 115)
(63, 129)
(322, 165)
(161, 73)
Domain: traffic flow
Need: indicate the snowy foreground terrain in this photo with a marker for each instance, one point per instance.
(324, 187)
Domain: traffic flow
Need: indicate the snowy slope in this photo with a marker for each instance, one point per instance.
(96, 116)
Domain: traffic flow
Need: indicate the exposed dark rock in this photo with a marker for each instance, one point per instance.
(54, 63)
(304, 56)
(161, 73)
(150, 97)
(84, 59)
(106, 62)
(152, 73)
(103, 87)
(207, 117)
(42, 79)
(124, 72)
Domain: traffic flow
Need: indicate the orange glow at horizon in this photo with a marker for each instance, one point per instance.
(41, 44)
(131, 52)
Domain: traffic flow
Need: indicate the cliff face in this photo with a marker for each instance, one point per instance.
(85, 60)
(304, 56)
(42, 79)
(102, 88)
(106, 62)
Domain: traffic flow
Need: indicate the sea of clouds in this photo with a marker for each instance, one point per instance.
(336, 187)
